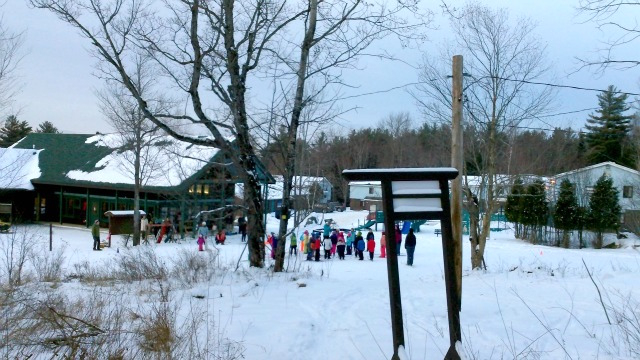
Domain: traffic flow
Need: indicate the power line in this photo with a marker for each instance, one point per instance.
(564, 86)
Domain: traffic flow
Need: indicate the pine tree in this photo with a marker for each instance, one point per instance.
(535, 208)
(604, 209)
(13, 130)
(513, 206)
(47, 127)
(608, 138)
(565, 215)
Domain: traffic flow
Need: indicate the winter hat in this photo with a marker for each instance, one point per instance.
(359, 233)
(306, 232)
(204, 223)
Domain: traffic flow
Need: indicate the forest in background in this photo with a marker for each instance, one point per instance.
(396, 142)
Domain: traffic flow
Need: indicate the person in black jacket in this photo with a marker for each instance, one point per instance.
(410, 246)
(360, 246)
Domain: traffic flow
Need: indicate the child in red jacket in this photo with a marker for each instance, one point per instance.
(371, 244)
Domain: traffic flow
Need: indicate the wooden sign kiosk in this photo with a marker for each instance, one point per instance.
(416, 194)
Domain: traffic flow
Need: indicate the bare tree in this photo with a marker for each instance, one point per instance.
(500, 57)
(137, 135)
(208, 52)
(10, 56)
(622, 33)
(336, 33)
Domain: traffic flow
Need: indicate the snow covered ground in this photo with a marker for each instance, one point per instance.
(533, 302)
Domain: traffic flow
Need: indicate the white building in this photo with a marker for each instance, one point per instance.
(363, 194)
(625, 180)
(302, 193)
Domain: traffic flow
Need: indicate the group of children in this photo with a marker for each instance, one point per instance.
(335, 242)
(332, 242)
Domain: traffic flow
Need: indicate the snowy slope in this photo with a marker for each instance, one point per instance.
(533, 302)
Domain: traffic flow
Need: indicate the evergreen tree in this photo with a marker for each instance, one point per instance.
(13, 130)
(534, 209)
(604, 209)
(608, 138)
(565, 215)
(513, 206)
(47, 127)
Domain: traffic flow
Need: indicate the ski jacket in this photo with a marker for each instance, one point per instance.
(334, 238)
(294, 241)
(203, 231)
(410, 240)
(326, 230)
(360, 243)
(371, 245)
(350, 238)
(327, 244)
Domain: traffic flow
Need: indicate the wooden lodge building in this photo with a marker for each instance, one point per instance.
(72, 178)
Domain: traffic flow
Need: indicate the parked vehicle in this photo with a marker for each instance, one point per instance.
(322, 208)
(336, 206)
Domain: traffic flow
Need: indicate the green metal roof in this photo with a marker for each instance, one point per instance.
(63, 153)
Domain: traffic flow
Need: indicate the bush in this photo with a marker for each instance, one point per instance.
(192, 267)
(48, 265)
(139, 263)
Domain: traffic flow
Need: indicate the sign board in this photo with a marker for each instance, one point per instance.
(417, 194)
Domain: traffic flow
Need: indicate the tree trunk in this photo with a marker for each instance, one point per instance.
(290, 155)
(136, 197)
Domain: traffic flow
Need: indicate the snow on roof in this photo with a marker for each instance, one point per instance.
(18, 167)
(473, 181)
(117, 213)
(606, 163)
(364, 183)
(301, 185)
(169, 162)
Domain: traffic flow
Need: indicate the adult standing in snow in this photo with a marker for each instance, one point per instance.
(398, 239)
(95, 233)
(203, 232)
(371, 244)
(242, 228)
(383, 245)
(326, 230)
(360, 246)
(410, 245)
(293, 248)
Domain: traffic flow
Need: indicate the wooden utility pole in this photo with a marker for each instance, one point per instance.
(457, 163)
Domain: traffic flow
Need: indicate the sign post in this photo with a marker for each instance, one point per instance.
(416, 194)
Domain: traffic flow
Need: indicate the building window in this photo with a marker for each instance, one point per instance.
(627, 192)
(371, 190)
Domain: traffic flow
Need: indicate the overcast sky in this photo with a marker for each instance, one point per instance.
(59, 85)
